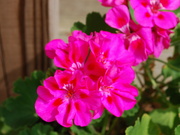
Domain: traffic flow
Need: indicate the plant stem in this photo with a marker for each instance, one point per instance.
(169, 65)
(113, 125)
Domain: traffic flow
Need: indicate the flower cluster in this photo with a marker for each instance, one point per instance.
(98, 70)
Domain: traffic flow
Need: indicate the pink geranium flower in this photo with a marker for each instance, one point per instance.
(112, 3)
(69, 98)
(149, 12)
(137, 39)
(117, 93)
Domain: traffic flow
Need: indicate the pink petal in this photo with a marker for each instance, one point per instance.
(112, 3)
(45, 110)
(118, 17)
(53, 45)
(83, 116)
(51, 83)
(165, 20)
(79, 35)
(125, 88)
(44, 93)
(170, 4)
(143, 16)
(146, 36)
(62, 59)
(123, 74)
(128, 101)
(99, 112)
(137, 3)
(138, 48)
(112, 104)
(66, 113)
(78, 51)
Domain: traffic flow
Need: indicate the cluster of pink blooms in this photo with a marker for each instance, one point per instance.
(98, 70)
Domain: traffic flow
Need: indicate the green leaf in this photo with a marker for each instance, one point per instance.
(143, 127)
(19, 111)
(88, 130)
(78, 26)
(167, 119)
(177, 130)
(172, 91)
(173, 69)
(131, 112)
(94, 22)
(38, 129)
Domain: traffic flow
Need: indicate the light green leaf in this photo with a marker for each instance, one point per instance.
(143, 127)
(167, 119)
(19, 111)
(177, 130)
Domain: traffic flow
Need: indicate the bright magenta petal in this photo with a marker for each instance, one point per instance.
(45, 110)
(44, 93)
(62, 59)
(137, 3)
(51, 83)
(112, 104)
(66, 113)
(83, 115)
(143, 16)
(112, 3)
(118, 17)
(170, 4)
(165, 20)
(51, 47)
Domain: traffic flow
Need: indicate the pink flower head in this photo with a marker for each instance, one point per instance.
(108, 48)
(67, 98)
(117, 93)
(137, 39)
(148, 12)
(112, 3)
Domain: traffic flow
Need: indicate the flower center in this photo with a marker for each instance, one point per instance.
(105, 90)
(102, 58)
(76, 66)
(155, 6)
(70, 90)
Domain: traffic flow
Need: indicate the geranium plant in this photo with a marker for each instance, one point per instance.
(103, 81)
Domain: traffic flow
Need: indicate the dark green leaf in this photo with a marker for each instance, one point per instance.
(19, 111)
(95, 22)
(39, 129)
(172, 91)
(78, 26)
(88, 130)
(131, 112)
